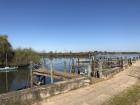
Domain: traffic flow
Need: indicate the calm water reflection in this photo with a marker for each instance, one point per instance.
(16, 80)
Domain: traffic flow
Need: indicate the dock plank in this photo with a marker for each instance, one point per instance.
(56, 74)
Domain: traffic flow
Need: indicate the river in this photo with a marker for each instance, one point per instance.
(21, 78)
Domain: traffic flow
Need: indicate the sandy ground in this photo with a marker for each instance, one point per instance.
(99, 93)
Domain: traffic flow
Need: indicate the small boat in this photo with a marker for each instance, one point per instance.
(8, 69)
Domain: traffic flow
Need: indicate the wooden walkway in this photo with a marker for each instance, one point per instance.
(56, 74)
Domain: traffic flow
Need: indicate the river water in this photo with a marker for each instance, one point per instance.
(21, 78)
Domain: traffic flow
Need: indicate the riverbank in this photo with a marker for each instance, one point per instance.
(99, 93)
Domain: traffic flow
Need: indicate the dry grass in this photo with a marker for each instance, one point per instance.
(129, 97)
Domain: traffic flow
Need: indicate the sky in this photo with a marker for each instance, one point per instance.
(72, 25)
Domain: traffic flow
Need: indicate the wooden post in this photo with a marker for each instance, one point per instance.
(122, 63)
(51, 66)
(93, 66)
(78, 62)
(100, 69)
(70, 65)
(78, 66)
(89, 70)
(119, 62)
(65, 67)
(130, 62)
(6, 77)
(73, 71)
(31, 74)
(108, 62)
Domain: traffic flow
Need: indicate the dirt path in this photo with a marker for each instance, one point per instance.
(99, 93)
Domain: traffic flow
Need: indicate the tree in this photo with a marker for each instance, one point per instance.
(24, 56)
(6, 51)
(15, 57)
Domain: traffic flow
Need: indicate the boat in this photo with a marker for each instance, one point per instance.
(8, 69)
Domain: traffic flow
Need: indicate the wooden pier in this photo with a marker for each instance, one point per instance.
(56, 74)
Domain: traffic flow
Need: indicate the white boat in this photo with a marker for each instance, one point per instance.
(8, 69)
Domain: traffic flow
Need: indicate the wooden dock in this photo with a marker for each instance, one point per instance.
(56, 74)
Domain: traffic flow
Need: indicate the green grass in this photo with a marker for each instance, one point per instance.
(129, 97)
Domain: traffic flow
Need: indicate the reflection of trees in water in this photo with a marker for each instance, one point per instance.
(21, 79)
(22, 75)
(16, 77)
(2, 83)
(10, 78)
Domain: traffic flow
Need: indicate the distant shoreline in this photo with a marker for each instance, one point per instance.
(81, 54)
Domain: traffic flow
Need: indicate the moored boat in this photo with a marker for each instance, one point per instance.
(8, 69)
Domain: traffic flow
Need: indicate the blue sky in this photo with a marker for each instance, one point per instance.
(76, 25)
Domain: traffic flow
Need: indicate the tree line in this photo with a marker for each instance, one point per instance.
(52, 54)
(15, 57)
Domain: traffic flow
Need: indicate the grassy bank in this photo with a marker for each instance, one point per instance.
(129, 97)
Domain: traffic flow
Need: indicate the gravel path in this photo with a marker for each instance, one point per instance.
(99, 93)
